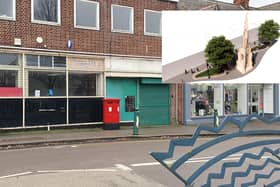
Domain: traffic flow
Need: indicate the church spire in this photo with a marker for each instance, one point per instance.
(244, 62)
(245, 33)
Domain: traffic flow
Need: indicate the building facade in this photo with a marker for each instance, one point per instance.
(59, 59)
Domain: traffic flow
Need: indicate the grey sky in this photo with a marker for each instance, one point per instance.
(256, 3)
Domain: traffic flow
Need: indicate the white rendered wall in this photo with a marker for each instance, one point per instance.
(268, 98)
(242, 99)
(133, 67)
(218, 98)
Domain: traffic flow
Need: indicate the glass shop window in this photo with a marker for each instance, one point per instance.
(202, 100)
(82, 84)
(9, 59)
(46, 83)
(8, 78)
(45, 61)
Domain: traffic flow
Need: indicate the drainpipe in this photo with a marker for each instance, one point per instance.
(176, 104)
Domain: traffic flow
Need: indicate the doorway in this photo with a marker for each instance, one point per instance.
(255, 99)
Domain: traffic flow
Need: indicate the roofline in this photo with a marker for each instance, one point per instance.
(170, 1)
(269, 5)
(226, 3)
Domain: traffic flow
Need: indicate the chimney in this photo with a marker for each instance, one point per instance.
(243, 3)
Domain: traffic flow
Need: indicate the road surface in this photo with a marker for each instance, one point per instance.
(105, 164)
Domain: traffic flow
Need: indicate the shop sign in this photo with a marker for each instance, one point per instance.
(84, 64)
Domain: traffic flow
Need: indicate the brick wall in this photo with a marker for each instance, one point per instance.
(244, 3)
(179, 98)
(102, 41)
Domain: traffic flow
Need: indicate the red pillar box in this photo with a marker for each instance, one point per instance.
(111, 113)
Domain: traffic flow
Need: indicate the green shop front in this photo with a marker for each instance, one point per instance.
(151, 97)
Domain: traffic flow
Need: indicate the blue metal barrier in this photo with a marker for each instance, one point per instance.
(189, 142)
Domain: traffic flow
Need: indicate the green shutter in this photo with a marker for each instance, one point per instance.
(154, 104)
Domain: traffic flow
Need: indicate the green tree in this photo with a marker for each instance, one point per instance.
(219, 52)
(268, 32)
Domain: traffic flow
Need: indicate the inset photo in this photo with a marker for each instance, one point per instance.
(241, 46)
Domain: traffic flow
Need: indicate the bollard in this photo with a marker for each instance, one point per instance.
(136, 122)
(216, 118)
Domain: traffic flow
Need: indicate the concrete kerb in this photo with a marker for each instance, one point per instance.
(23, 145)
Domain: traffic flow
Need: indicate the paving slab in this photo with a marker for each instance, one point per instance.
(92, 135)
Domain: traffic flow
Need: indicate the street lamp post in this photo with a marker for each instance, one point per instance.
(208, 70)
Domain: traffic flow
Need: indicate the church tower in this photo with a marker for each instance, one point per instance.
(244, 62)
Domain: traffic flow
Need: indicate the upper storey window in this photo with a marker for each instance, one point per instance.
(152, 23)
(122, 19)
(87, 14)
(7, 9)
(46, 11)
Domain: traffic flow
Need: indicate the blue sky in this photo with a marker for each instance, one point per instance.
(256, 3)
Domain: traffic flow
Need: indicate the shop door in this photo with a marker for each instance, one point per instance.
(255, 99)
(154, 104)
(120, 88)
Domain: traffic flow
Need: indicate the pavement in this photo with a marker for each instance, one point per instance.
(33, 138)
(73, 179)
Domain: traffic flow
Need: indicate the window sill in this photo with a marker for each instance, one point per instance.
(4, 18)
(46, 23)
(152, 34)
(45, 68)
(87, 28)
(122, 31)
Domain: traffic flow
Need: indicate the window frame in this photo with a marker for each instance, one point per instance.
(13, 18)
(150, 33)
(39, 66)
(97, 16)
(131, 31)
(58, 23)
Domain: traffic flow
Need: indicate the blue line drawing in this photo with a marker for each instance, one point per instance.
(260, 176)
(189, 142)
(241, 162)
(273, 183)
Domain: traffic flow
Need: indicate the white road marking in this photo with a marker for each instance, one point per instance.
(74, 146)
(59, 147)
(16, 175)
(145, 164)
(78, 170)
(194, 160)
(123, 167)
